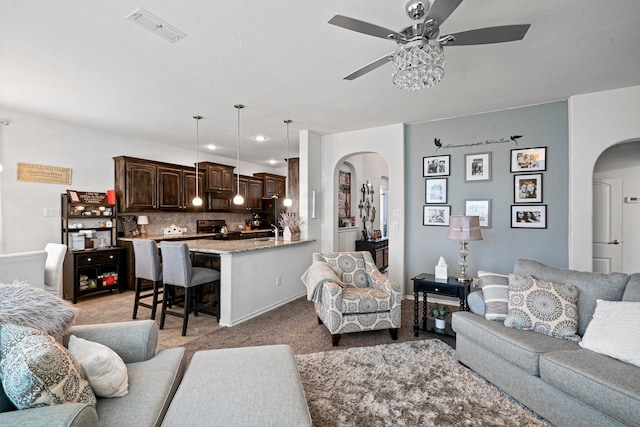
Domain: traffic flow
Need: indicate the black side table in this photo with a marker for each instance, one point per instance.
(427, 283)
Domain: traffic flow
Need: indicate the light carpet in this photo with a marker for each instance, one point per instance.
(415, 383)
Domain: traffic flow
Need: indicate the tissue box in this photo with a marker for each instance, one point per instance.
(441, 272)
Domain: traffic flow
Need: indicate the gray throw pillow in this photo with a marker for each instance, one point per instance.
(495, 290)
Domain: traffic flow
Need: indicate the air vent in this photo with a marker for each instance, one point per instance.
(162, 29)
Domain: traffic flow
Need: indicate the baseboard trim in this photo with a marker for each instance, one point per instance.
(260, 312)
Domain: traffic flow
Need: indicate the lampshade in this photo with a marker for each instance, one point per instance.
(417, 66)
(143, 220)
(462, 227)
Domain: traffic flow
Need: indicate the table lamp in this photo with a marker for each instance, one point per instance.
(142, 221)
(464, 228)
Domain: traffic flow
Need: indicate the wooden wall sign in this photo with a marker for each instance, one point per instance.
(44, 174)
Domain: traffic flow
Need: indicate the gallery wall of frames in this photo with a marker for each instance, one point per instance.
(509, 167)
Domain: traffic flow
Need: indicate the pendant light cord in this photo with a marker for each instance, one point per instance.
(197, 143)
(286, 188)
(238, 107)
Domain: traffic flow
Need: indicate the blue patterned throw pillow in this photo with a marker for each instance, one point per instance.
(545, 307)
(36, 370)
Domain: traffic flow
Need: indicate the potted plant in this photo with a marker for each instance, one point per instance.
(439, 312)
(292, 225)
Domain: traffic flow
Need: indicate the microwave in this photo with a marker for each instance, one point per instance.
(218, 201)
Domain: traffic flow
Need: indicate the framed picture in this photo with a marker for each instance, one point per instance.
(529, 159)
(481, 208)
(477, 167)
(73, 196)
(435, 190)
(528, 216)
(527, 188)
(436, 215)
(436, 165)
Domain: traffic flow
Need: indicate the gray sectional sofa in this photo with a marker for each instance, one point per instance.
(556, 378)
(249, 386)
(153, 380)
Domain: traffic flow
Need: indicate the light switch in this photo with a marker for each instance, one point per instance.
(397, 213)
(395, 225)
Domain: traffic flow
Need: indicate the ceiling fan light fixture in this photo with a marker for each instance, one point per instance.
(417, 66)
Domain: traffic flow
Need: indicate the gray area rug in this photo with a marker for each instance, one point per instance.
(415, 383)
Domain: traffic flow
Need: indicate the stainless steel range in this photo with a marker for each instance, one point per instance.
(217, 228)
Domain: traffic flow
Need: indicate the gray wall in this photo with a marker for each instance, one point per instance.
(541, 126)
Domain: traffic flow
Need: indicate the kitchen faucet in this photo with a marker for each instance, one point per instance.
(275, 231)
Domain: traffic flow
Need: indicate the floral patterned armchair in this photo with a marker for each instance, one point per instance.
(365, 300)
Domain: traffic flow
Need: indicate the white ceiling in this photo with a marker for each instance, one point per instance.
(83, 62)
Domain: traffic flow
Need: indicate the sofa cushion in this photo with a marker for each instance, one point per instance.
(591, 286)
(632, 291)
(24, 305)
(105, 370)
(519, 347)
(615, 331)
(495, 290)
(545, 307)
(36, 370)
(152, 385)
(609, 385)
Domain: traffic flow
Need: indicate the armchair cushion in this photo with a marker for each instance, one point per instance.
(365, 300)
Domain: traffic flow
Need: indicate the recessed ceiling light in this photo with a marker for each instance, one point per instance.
(157, 26)
(261, 138)
(211, 147)
(273, 162)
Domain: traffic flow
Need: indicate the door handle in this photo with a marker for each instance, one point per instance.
(614, 242)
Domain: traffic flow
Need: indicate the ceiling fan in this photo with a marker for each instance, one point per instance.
(419, 60)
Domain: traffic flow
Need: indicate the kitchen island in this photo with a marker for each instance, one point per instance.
(256, 275)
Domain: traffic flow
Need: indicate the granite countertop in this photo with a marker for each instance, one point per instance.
(236, 246)
(159, 237)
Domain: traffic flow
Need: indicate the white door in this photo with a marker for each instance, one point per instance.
(607, 225)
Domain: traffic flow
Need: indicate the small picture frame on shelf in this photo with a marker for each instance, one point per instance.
(73, 196)
(436, 165)
(435, 190)
(529, 159)
(480, 208)
(477, 167)
(436, 215)
(527, 188)
(528, 216)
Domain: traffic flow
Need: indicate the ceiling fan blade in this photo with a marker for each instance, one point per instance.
(370, 67)
(363, 27)
(441, 9)
(505, 33)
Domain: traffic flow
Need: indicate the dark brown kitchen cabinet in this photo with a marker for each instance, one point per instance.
(251, 190)
(218, 177)
(272, 185)
(145, 185)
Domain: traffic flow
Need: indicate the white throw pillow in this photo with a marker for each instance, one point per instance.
(105, 370)
(615, 331)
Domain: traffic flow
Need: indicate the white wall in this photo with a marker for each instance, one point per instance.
(596, 122)
(88, 152)
(332, 150)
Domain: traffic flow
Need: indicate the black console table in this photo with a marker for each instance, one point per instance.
(427, 283)
(379, 250)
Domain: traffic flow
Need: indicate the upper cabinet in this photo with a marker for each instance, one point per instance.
(219, 177)
(144, 185)
(251, 190)
(272, 185)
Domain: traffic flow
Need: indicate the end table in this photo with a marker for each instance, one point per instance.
(427, 283)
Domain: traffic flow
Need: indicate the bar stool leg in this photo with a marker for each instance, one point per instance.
(187, 309)
(163, 312)
(137, 298)
(156, 290)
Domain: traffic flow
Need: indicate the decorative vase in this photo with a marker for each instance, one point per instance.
(440, 324)
(288, 236)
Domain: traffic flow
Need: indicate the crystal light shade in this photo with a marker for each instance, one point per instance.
(416, 67)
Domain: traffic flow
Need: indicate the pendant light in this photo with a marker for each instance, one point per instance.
(197, 201)
(238, 199)
(287, 201)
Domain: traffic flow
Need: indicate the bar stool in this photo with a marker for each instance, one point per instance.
(148, 267)
(178, 272)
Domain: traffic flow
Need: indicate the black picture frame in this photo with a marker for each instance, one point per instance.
(527, 188)
(436, 215)
(477, 167)
(528, 216)
(436, 165)
(529, 159)
(435, 190)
